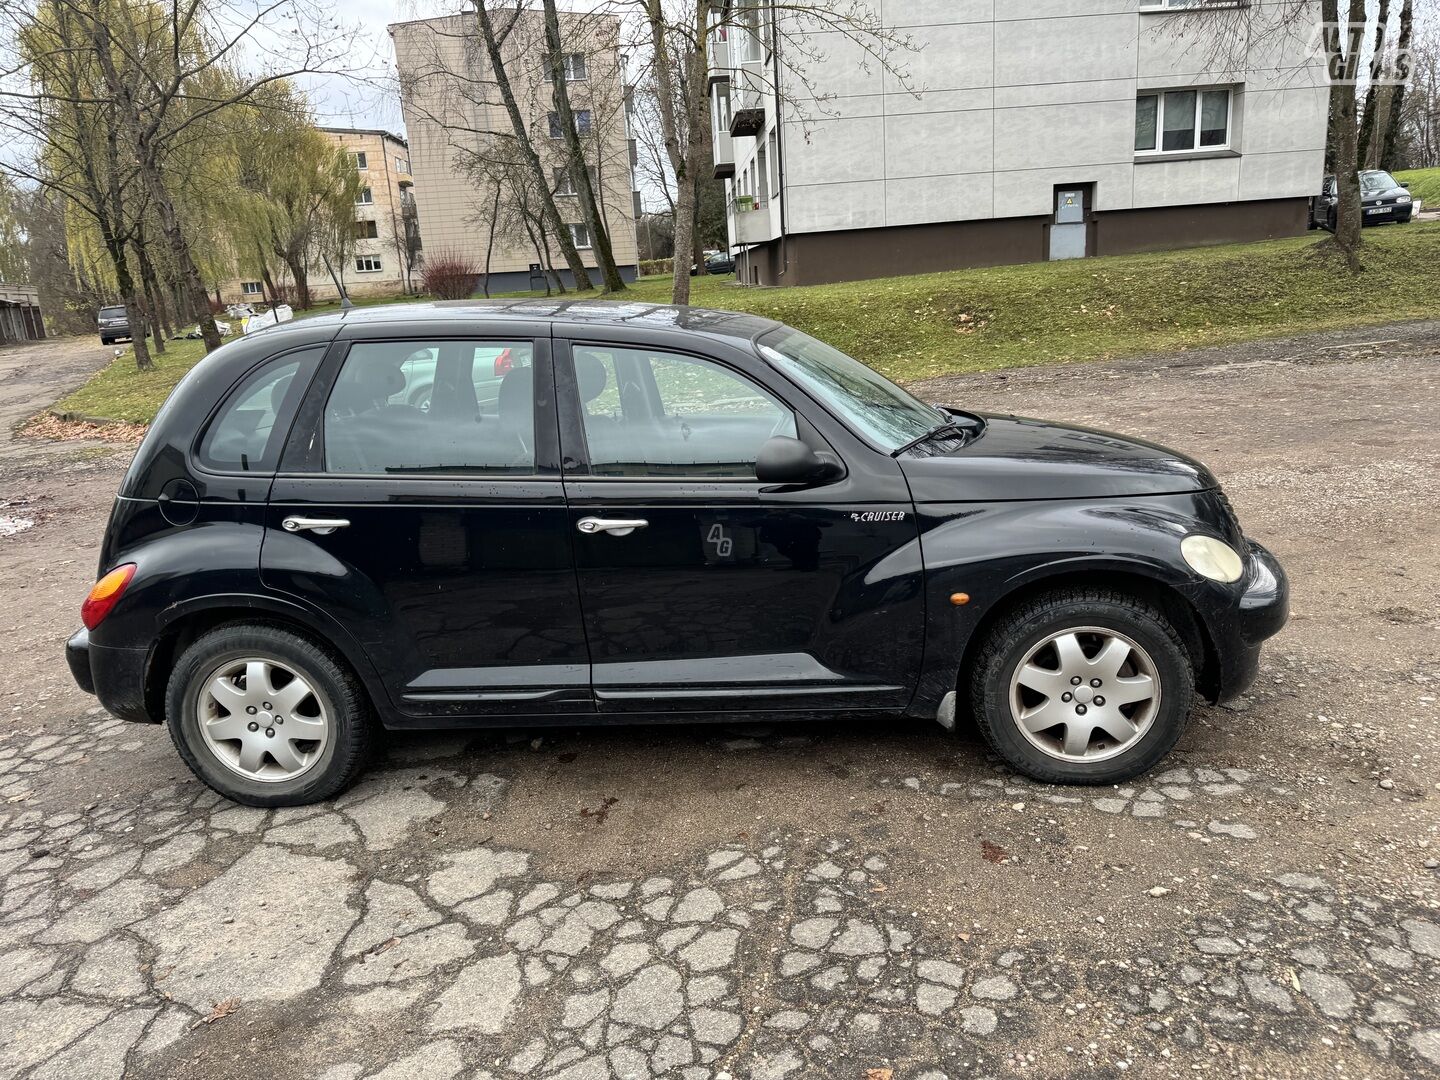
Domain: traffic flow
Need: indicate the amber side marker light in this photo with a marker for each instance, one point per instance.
(103, 595)
(960, 599)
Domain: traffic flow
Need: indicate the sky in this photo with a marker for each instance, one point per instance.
(371, 101)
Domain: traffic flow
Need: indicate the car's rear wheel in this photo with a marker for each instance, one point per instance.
(267, 717)
(1083, 686)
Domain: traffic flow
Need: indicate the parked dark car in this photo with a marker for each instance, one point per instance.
(1383, 200)
(717, 262)
(114, 324)
(661, 515)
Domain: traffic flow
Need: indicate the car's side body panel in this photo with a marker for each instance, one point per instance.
(738, 595)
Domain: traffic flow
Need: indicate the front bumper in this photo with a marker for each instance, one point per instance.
(1238, 632)
(115, 676)
(1387, 214)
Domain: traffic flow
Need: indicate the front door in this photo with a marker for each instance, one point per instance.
(420, 506)
(704, 590)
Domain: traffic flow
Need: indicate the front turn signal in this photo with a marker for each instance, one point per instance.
(104, 594)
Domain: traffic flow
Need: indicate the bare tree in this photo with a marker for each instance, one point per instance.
(1343, 50)
(1385, 158)
(577, 163)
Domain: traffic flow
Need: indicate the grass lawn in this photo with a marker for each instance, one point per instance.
(119, 392)
(1424, 184)
(1039, 313)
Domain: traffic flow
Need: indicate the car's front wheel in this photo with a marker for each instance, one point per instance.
(267, 717)
(1082, 686)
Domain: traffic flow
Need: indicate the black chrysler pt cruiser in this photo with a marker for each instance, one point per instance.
(530, 513)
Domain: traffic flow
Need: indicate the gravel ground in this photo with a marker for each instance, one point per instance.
(881, 902)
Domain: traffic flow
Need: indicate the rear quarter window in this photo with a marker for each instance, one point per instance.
(248, 431)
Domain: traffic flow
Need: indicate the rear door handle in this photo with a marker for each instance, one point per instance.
(319, 526)
(615, 526)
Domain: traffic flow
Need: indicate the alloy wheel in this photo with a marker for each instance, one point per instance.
(262, 719)
(1085, 694)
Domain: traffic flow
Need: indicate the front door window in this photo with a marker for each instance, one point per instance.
(656, 414)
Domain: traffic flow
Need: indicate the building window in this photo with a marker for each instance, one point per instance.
(572, 64)
(1179, 121)
(366, 230)
(580, 234)
(402, 165)
(565, 181)
(1163, 4)
(359, 158)
(582, 123)
(252, 288)
(365, 198)
(367, 264)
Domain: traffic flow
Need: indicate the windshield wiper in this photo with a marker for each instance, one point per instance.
(949, 424)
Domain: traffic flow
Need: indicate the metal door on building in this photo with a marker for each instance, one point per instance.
(1069, 231)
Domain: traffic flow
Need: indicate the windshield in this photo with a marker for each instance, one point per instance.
(870, 403)
(112, 313)
(1375, 180)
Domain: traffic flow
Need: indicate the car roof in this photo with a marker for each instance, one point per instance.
(561, 313)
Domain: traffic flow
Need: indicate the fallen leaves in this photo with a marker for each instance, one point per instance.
(993, 853)
(49, 426)
(879, 1074)
(221, 1010)
(601, 812)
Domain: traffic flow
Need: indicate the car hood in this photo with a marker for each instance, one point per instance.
(1380, 194)
(1010, 458)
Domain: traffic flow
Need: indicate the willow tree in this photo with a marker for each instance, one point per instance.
(70, 123)
(293, 191)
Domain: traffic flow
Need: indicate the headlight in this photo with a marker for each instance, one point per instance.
(1211, 558)
(1403, 200)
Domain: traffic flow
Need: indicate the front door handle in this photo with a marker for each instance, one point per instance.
(615, 526)
(319, 526)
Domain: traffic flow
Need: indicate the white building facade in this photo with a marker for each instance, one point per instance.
(1016, 131)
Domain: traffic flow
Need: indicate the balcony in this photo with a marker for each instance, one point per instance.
(753, 224)
(747, 97)
(721, 61)
(724, 155)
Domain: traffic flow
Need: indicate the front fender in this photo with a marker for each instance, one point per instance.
(992, 551)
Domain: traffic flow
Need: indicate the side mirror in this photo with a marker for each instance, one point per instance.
(1405, 186)
(783, 460)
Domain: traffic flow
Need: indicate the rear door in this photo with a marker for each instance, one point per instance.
(420, 505)
(704, 590)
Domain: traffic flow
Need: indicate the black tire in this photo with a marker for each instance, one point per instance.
(352, 728)
(1020, 630)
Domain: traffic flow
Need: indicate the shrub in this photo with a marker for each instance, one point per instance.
(657, 266)
(448, 275)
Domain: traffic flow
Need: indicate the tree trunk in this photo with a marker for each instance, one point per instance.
(1344, 134)
(490, 238)
(1397, 92)
(535, 243)
(300, 274)
(575, 155)
(1369, 150)
(684, 157)
(134, 308)
(152, 291)
(527, 148)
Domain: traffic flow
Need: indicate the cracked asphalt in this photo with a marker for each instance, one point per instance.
(878, 901)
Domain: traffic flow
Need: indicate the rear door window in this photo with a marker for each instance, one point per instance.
(249, 429)
(433, 407)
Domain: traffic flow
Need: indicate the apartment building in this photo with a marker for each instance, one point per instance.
(1015, 132)
(387, 234)
(385, 261)
(465, 160)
